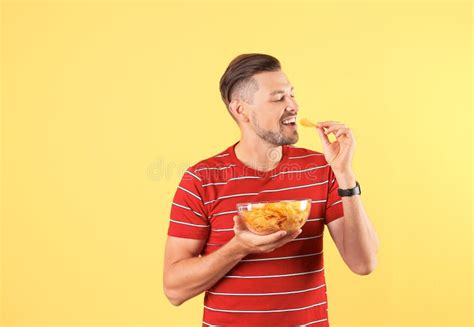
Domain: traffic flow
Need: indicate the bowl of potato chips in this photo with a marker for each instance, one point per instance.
(271, 216)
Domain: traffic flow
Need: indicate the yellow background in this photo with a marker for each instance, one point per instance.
(106, 103)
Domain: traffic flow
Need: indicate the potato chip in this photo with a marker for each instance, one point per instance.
(307, 123)
(269, 217)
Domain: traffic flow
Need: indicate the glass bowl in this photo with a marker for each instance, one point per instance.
(267, 217)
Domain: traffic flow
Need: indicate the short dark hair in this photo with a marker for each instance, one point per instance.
(238, 75)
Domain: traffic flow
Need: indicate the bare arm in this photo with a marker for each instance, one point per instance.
(354, 235)
(186, 274)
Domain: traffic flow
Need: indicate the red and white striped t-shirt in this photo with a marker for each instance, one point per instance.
(285, 287)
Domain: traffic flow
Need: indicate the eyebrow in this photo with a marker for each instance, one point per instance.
(280, 91)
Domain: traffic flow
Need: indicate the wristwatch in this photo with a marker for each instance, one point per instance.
(351, 191)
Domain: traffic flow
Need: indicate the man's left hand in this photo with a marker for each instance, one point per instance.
(339, 153)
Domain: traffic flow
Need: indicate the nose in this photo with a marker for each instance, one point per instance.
(292, 106)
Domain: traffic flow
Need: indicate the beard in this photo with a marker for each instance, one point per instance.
(276, 138)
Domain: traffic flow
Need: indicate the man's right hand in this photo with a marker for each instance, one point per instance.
(253, 243)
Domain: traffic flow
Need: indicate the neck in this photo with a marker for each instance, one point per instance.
(258, 154)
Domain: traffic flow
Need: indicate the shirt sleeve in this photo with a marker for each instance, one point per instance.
(188, 218)
(334, 208)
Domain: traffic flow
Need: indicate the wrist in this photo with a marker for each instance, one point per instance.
(237, 249)
(345, 179)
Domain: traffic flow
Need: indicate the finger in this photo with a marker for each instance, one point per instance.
(343, 131)
(327, 123)
(324, 138)
(334, 128)
(239, 224)
(271, 238)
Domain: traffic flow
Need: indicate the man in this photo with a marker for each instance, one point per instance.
(276, 279)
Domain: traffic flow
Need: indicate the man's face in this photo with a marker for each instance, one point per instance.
(272, 114)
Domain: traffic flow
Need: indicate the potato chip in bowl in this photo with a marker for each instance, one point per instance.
(271, 216)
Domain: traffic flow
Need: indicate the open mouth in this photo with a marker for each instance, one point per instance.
(289, 121)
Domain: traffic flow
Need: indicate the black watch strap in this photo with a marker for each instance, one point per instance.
(351, 191)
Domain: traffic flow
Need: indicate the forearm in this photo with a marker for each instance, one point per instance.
(360, 241)
(190, 277)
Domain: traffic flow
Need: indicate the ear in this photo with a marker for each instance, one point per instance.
(238, 110)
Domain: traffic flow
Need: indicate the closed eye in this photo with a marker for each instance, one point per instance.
(281, 99)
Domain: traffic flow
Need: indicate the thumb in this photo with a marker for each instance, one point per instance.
(324, 138)
(273, 237)
(238, 223)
